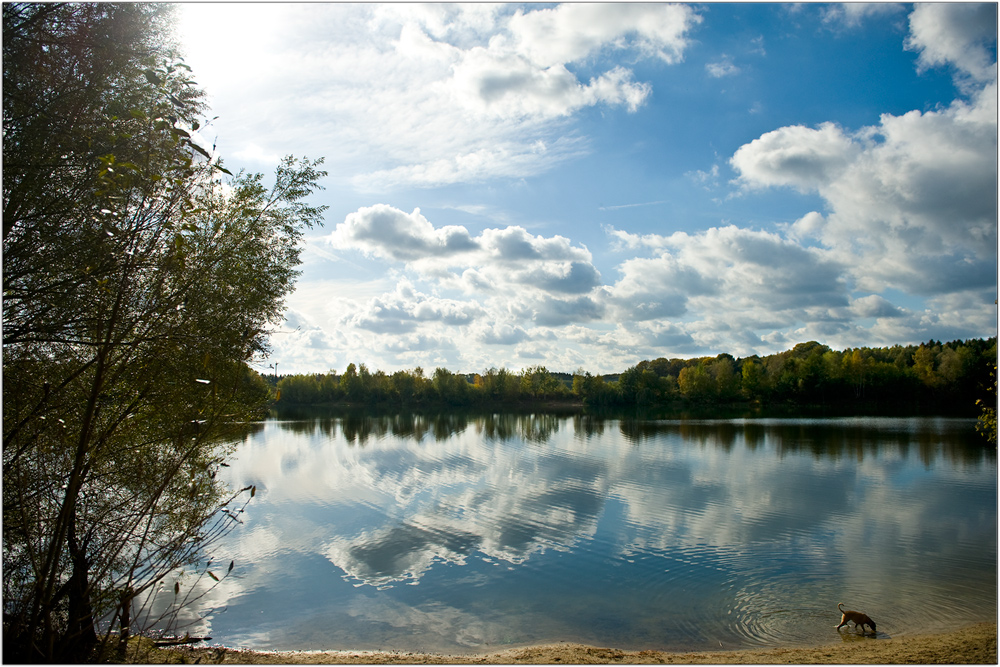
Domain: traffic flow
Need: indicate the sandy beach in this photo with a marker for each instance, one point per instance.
(974, 644)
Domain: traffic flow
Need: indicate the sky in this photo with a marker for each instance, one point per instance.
(584, 186)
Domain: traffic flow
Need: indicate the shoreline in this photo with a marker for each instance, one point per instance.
(971, 644)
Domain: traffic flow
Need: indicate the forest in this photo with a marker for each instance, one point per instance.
(941, 377)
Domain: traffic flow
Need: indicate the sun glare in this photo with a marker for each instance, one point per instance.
(225, 40)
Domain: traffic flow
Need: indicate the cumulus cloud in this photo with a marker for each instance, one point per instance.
(796, 156)
(733, 264)
(487, 288)
(955, 33)
(549, 311)
(723, 281)
(302, 343)
(575, 31)
(501, 334)
(497, 260)
(808, 226)
(912, 201)
(874, 305)
(438, 94)
(387, 232)
(508, 85)
(571, 278)
(401, 310)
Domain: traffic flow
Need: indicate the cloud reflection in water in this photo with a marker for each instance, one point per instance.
(645, 533)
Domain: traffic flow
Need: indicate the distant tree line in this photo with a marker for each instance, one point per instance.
(943, 376)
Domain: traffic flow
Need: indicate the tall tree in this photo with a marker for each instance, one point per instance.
(136, 288)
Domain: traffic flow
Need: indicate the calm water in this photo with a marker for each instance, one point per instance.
(464, 534)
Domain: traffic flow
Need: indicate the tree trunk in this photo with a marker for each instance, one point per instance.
(81, 637)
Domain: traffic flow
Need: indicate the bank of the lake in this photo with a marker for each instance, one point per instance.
(570, 406)
(975, 644)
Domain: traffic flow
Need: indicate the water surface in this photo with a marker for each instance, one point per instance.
(465, 534)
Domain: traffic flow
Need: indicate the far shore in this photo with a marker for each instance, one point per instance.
(974, 644)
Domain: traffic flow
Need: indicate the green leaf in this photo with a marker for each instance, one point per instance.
(152, 78)
(199, 149)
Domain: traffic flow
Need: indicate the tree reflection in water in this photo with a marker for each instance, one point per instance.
(646, 530)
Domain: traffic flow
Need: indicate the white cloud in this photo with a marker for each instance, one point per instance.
(255, 154)
(429, 95)
(508, 86)
(508, 260)
(808, 226)
(912, 201)
(574, 31)
(725, 280)
(955, 33)
(403, 309)
(304, 343)
(795, 156)
(490, 289)
(874, 305)
(387, 232)
(724, 67)
(502, 159)
(852, 14)
(500, 334)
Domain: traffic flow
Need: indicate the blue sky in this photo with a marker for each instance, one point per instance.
(589, 185)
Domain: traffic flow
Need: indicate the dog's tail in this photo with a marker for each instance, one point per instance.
(840, 606)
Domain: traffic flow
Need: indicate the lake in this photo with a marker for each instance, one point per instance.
(471, 533)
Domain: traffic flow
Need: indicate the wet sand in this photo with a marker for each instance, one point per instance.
(975, 644)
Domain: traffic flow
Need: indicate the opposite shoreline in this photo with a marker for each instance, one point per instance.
(973, 644)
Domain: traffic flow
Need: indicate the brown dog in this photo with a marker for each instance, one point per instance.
(859, 619)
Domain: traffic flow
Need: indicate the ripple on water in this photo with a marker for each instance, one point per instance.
(675, 540)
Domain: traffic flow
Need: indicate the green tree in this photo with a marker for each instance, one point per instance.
(538, 383)
(405, 386)
(451, 388)
(727, 382)
(351, 384)
(695, 382)
(592, 389)
(855, 366)
(302, 389)
(136, 289)
(500, 385)
(923, 364)
(986, 425)
(752, 378)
